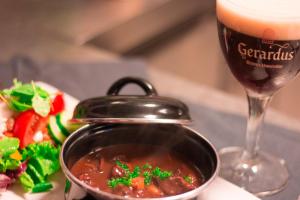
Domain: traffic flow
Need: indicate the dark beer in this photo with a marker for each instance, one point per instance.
(262, 60)
(260, 40)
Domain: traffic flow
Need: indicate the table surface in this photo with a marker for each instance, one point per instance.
(279, 129)
(208, 106)
(218, 116)
(44, 49)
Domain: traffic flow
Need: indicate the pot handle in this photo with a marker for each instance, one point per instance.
(144, 84)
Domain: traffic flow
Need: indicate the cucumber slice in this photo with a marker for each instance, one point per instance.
(53, 136)
(60, 128)
(62, 123)
(42, 187)
(63, 119)
(34, 174)
(55, 132)
(40, 165)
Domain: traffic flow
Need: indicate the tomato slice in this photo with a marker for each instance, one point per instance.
(58, 104)
(27, 124)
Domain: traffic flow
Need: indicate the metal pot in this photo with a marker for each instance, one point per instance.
(134, 119)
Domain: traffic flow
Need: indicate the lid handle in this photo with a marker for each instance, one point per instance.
(119, 84)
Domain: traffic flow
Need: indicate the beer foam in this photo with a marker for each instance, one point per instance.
(268, 19)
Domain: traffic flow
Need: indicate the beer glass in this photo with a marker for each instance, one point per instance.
(260, 40)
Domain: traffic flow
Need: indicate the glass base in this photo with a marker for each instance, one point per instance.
(265, 175)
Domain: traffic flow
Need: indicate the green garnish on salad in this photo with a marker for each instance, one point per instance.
(38, 160)
(22, 97)
(8, 145)
(42, 161)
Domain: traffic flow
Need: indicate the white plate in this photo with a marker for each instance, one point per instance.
(16, 192)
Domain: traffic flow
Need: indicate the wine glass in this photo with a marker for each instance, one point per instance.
(260, 41)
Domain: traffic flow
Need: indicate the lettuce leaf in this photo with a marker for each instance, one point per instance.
(26, 181)
(43, 160)
(8, 164)
(8, 145)
(46, 153)
(22, 97)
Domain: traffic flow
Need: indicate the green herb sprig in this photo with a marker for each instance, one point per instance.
(188, 179)
(123, 166)
(149, 173)
(157, 172)
(127, 179)
(114, 182)
(147, 166)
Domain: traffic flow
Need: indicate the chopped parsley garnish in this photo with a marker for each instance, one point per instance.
(123, 166)
(119, 181)
(22, 97)
(125, 180)
(147, 178)
(146, 172)
(147, 166)
(161, 174)
(136, 172)
(188, 179)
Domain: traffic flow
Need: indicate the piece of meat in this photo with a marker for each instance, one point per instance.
(154, 191)
(174, 185)
(121, 158)
(117, 172)
(139, 193)
(123, 190)
(100, 165)
(178, 172)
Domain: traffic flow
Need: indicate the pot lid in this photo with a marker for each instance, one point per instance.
(116, 108)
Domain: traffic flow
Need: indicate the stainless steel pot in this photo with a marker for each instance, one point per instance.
(107, 127)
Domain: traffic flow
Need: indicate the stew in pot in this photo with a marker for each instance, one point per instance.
(141, 171)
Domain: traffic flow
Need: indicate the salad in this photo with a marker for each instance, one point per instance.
(33, 125)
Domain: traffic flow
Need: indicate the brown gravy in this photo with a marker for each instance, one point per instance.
(141, 171)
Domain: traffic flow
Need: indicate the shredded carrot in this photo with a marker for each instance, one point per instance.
(3, 99)
(16, 155)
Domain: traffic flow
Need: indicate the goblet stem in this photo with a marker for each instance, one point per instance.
(254, 170)
(257, 106)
